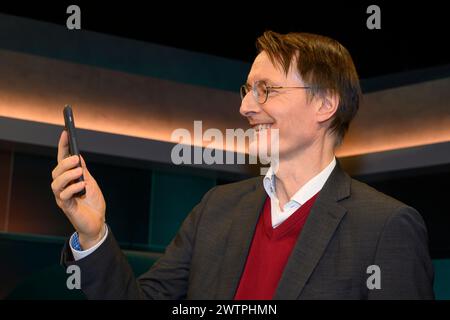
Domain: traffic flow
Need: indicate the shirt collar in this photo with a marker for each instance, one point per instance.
(307, 191)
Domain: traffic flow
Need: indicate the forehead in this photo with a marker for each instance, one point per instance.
(264, 69)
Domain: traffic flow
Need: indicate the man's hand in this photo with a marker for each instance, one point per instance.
(86, 213)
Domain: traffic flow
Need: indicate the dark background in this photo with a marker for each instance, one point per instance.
(413, 35)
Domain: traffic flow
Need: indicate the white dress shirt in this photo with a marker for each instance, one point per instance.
(77, 254)
(299, 198)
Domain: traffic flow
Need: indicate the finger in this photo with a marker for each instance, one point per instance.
(63, 146)
(68, 192)
(85, 169)
(63, 180)
(65, 165)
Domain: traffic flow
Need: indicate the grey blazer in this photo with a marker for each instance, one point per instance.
(351, 226)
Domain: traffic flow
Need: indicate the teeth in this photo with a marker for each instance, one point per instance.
(262, 126)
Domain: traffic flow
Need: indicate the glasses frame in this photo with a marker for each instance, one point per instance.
(244, 90)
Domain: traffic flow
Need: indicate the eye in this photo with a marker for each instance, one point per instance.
(261, 88)
(244, 89)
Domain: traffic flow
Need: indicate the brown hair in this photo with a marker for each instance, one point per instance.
(324, 64)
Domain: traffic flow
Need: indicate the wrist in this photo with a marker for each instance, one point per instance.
(87, 242)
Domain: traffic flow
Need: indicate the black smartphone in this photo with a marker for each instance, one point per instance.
(73, 145)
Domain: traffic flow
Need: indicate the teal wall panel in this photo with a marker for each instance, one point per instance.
(442, 279)
(127, 55)
(173, 197)
(31, 268)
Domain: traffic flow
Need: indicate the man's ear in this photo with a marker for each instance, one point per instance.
(328, 105)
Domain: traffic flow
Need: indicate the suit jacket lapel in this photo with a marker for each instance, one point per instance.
(245, 217)
(319, 228)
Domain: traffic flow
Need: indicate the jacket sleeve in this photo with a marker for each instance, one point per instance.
(106, 274)
(406, 270)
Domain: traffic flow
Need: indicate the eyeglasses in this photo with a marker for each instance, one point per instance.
(261, 90)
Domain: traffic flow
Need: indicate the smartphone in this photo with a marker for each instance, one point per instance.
(73, 144)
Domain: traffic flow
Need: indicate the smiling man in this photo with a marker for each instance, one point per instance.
(305, 230)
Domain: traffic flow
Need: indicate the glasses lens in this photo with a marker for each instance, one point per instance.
(243, 91)
(260, 91)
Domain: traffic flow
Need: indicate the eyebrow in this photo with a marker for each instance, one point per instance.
(266, 80)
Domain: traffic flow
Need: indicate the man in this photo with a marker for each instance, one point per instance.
(304, 231)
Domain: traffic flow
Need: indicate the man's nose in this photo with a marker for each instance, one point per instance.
(249, 105)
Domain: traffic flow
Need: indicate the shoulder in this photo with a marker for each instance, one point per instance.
(221, 202)
(372, 208)
(234, 191)
(365, 196)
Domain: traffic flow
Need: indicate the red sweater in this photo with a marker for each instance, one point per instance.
(269, 253)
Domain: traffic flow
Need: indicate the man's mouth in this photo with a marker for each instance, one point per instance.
(262, 126)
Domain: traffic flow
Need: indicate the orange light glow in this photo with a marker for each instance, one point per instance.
(36, 89)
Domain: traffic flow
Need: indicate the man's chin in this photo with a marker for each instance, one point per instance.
(263, 154)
